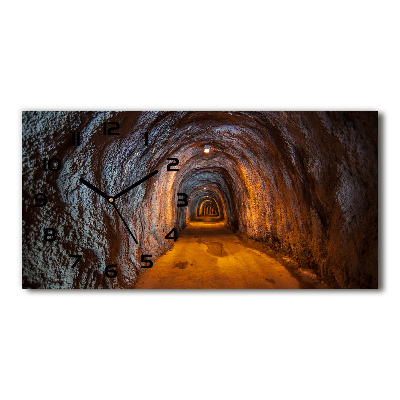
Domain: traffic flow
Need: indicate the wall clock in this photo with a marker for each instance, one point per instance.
(106, 194)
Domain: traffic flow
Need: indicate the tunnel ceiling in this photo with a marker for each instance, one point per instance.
(303, 183)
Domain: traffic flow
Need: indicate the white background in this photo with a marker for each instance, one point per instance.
(181, 55)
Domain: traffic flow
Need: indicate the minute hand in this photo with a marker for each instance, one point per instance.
(136, 184)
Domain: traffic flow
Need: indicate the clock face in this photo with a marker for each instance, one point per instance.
(242, 199)
(84, 175)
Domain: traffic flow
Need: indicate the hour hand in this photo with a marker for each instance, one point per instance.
(136, 184)
(94, 188)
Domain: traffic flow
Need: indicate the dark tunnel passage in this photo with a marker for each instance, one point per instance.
(207, 206)
(300, 184)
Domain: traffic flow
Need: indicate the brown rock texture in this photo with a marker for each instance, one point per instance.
(303, 183)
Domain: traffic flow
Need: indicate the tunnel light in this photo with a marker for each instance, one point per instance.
(207, 149)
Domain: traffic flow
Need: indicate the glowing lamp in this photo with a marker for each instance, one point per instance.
(206, 149)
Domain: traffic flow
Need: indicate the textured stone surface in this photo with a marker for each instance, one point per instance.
(305, 183)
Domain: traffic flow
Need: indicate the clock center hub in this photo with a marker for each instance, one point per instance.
(110, 199)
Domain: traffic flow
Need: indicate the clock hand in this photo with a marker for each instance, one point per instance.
(89, 185)
(136, 184)
(111, 200)
(126, 225)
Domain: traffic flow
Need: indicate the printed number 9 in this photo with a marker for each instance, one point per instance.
(41, 199)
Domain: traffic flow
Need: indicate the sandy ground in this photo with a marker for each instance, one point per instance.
(208, 255)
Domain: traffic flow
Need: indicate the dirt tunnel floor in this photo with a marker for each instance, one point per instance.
(208, 255)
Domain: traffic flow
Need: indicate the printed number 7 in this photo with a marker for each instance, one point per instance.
(78, 257)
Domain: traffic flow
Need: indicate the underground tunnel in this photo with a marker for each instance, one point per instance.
(200, 200)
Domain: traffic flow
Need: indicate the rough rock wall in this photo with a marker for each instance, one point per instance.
(305, 183)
